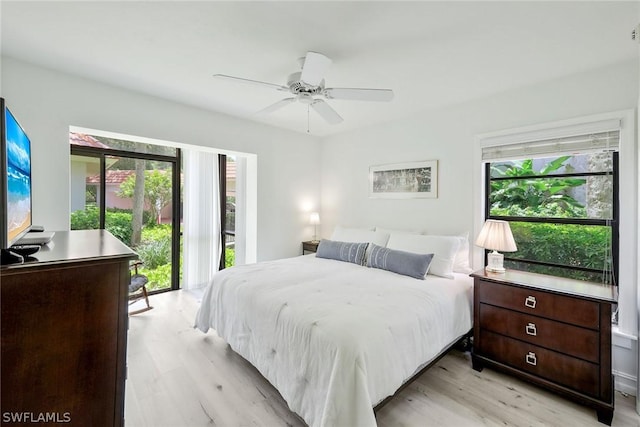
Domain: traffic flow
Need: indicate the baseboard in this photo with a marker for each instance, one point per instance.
(625, 383)
(625, 362)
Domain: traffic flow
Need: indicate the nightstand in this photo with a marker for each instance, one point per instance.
(310, 246)
(547, 330)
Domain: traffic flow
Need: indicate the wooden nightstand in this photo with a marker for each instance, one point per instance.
(310, 246)
(551, 331)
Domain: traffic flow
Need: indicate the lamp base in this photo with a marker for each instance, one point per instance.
(495, 262)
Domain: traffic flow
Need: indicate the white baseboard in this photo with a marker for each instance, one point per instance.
(625, 383)
(625, 362)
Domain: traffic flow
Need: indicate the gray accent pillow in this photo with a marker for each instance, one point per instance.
(342, 251)
(401, 262)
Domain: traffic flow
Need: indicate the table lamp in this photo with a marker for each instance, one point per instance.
(314, 218)
(496, 236)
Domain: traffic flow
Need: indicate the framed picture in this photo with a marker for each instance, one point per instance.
(404, 180)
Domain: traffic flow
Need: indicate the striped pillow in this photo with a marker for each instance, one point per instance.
(342, 251)
(401, 262)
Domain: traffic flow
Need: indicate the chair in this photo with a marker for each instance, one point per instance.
(138, 289)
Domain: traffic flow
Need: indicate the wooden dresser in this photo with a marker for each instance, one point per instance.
(64, 332)
(551, 331)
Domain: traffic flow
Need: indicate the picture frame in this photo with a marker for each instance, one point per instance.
(404, 180)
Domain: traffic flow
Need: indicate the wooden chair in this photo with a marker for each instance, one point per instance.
(138, 289)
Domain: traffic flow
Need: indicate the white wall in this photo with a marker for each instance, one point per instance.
(637, 361)
(48, 102)
(448, 135)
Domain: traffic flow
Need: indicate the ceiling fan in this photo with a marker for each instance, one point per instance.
(307, 86)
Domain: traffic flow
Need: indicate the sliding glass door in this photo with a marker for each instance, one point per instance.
(134, 193)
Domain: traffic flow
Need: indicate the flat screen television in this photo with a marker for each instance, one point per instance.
(15, 182)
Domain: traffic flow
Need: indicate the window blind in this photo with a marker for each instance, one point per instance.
(579, 144)
(576, 139)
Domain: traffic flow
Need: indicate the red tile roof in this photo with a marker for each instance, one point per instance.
(113, 177)
(231, 170)
(85, 140)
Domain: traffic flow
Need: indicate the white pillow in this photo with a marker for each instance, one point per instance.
(444, 249)
(461, 262)
(359, 235)
(394, 231)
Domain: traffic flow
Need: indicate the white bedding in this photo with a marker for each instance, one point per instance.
(335, 338)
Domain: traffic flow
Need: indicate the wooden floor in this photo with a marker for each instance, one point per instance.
(179, 377)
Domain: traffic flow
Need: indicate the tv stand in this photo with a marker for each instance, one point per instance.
(63, 324)
(10, 257)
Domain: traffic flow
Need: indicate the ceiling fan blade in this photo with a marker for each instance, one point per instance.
(254, 82)
(315, 65)
(326, 112)
(359, 94)
(278, 105)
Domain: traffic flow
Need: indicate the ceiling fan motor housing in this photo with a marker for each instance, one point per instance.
(297, 86)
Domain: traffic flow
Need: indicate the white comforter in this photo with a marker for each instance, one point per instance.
(335, 338)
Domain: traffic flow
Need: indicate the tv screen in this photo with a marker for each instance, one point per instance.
(16, 176)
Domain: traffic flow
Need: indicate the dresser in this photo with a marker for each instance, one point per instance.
(551, 331)
(64, 332)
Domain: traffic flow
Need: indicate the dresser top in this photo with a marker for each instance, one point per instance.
(77, 246)
(554, 284)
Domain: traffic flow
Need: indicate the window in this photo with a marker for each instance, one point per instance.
(228, 189)
(128, 188)
(558, 188)
(562, 211)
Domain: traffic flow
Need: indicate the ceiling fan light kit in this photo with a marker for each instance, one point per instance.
(309, 82)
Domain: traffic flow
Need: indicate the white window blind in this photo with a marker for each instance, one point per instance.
(593, 137)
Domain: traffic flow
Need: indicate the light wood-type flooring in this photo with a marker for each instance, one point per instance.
(178, 376)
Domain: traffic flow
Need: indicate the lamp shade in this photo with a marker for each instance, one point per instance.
(314, 218)
(496, 236)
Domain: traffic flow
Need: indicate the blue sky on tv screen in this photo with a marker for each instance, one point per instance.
(18, 176)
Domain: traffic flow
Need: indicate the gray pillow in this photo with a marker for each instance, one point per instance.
(401, 262)
(342, 251)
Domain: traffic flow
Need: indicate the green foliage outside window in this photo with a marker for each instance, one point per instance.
(536, 196)
(155, 253)
(229, 257)
(88, 219)
(564, 244)
(117, 222)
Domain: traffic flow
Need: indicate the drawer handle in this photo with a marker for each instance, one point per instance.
(530, 302)
(531, 329)
(530, 358)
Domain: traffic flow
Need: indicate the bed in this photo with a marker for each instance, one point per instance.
(335, 338)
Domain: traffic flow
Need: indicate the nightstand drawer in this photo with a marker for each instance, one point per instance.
(559, 368)
(561, 337)
(309, 246)
(566, 309)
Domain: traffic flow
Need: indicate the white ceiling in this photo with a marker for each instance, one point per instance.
(430, 53)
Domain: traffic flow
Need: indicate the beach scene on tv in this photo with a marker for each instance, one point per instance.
(18, 179)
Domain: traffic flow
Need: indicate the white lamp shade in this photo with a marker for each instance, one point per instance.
(496, 236)
(314, 218)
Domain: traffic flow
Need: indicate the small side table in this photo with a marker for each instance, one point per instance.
(310, 246)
